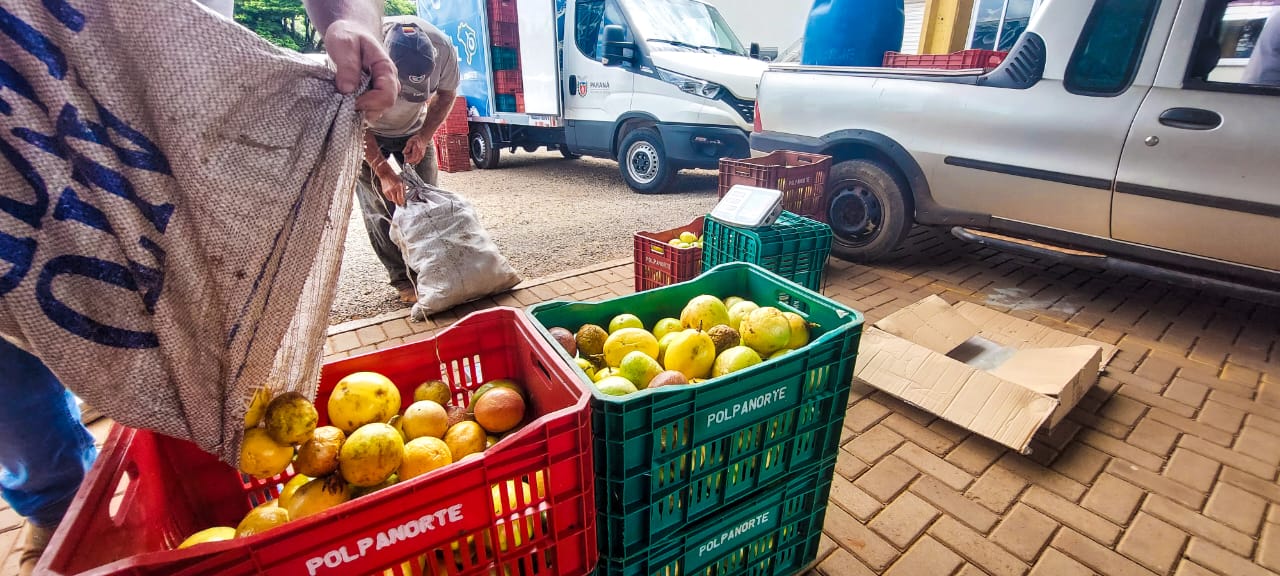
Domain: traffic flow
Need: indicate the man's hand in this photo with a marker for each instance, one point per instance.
(391, 184)
(416, 148)
(354, 50)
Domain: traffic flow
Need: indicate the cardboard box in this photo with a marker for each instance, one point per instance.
(996, 375)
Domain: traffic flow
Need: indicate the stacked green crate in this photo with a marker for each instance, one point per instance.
(794, 247)
(677, 463)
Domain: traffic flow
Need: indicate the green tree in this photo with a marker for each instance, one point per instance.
(285, 22)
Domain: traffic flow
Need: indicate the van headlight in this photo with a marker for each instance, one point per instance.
(690, 84)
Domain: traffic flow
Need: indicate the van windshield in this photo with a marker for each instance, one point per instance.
(682, 25)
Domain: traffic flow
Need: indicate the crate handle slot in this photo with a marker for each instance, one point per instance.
(657, 250)
(122, 497)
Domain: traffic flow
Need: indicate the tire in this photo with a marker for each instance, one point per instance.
(564, 151)
(484, 154)
(869, 209)
(642, 159)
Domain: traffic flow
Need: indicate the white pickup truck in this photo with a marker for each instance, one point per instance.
(1112, 127)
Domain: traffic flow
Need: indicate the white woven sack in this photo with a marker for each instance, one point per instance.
(174, 192)
(451, 255)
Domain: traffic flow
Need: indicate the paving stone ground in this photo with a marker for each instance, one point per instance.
(1168, 466)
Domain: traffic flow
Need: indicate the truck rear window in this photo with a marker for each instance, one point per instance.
(1110, 47)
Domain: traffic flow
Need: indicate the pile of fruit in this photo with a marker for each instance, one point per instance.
(712, 337)
(686, 240)
(369, 445)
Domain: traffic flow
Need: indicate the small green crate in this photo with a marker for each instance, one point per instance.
(505, 58)
(670, 456)
(794, 247)
(776, 533)
(506, 102)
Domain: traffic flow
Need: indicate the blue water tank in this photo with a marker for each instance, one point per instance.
(852, 32)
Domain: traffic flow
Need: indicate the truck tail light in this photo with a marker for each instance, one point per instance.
(756, 125)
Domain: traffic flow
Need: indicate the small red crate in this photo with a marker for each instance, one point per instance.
(508, 82)
(456, 122)
(504, 34)
(962, 60)
(409, 529)
(520, 102)
(657, 263)
(453, 153)
(801, 177)
(502, 11)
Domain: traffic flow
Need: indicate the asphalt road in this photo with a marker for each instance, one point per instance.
(547, 215)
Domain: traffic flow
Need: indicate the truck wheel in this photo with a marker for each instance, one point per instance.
(484, 153)
(644, 163)
(868, 208)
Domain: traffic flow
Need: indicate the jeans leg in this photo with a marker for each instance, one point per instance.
(427, 168)
(44, 449)
(377, 212)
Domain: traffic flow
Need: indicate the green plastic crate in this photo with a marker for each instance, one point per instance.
(671, 456)
(506, 102)
(776, 533)
(505, 58)
(794, 247)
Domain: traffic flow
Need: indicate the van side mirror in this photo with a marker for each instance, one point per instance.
(617, 51)
(755, 50)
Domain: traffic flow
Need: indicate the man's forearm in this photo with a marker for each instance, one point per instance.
(367, 13)
(373, 153)
(437, 110)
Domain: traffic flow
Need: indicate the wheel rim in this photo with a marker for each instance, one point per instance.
(479, 149)
(643, 162)
(856, 213)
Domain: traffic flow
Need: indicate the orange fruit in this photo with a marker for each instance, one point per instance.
(422, 455)
(424, 418)
(465, 439)
(499, 410)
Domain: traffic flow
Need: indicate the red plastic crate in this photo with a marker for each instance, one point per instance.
(453, 153)
(520, 102)
(962, 60)
(504, 34)
(174, 489)
(502, 11)
(508, 82)
(801, 177)
(657, 263)
(456, 122)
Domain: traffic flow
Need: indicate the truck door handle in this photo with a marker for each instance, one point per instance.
(1191, 119)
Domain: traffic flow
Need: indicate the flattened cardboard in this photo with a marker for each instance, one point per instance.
(999, 376)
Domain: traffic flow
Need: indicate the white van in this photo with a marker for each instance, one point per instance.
(659, 85)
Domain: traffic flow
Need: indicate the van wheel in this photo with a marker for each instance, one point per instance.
(483, 152)
(644, 163)
(868, 208)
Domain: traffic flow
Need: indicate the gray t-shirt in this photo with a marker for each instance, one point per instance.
(1264, 64)
(405, 118)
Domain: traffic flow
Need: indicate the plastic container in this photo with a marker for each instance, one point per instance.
(456, 122)
(777, 533)
(506, 102)
(657, 263)
(505, 58)
(504, 34)
(671, 456)
(502, 11)
(520, 102)
(408, 529)
(795, 247)
(453, 152)
(962, 60)
(801, 177)
(508, 82)
(851, 32)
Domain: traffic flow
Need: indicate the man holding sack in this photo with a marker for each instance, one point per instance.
(428, 71)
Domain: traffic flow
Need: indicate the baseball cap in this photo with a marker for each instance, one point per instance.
(415, 58)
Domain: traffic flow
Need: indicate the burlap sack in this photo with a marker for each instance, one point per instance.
(173, 198)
